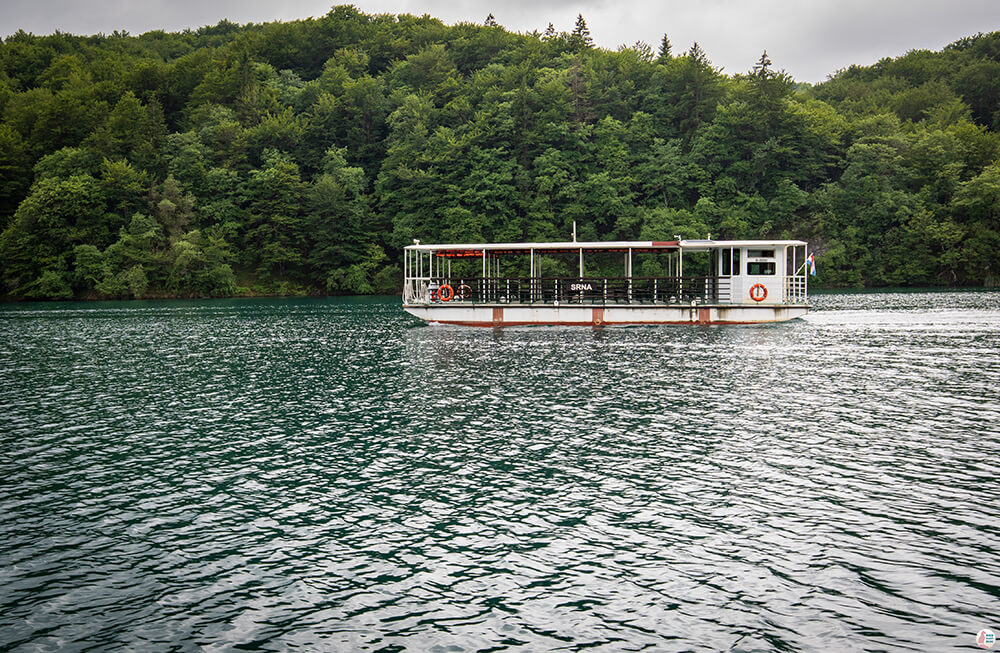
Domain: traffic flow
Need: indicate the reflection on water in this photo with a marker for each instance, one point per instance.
(332, 474)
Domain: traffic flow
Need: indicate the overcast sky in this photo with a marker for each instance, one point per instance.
(810, 39)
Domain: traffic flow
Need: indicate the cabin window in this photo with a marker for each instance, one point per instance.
(730, 262)
(760, 253)
(759, 268)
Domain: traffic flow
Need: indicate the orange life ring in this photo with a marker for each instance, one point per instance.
(464, 291)
(446, 293)
(758, 292)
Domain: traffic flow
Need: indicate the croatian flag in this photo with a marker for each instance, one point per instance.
(812, 264)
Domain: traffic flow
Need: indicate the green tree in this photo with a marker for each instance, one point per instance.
(131, 131)
(686, 91)
(275, 238)
(56, 216)
(979, 85)
(51, 284)
(88, 266)
(129, 261)
(580, 36)
(664, 54)
(339, 219)
(15, 172)
(172, 207)
(123, 186)
(977, 204)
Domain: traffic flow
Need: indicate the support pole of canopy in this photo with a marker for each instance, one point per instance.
(581, 260)
(628, 272)
(680, 262)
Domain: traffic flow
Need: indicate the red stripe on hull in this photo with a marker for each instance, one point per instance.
(591, 324)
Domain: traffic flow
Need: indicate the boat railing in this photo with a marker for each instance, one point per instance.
(795, 290)
(569, 290)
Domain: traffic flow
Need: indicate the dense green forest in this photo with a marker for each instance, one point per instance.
(300, 157)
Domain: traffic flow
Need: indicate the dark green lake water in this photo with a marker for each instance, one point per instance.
(332, 475)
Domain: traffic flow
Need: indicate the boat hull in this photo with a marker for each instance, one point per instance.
(496, 315)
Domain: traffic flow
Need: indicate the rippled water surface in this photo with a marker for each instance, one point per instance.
(332, 475)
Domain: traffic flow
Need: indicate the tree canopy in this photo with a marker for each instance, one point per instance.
(299, 157)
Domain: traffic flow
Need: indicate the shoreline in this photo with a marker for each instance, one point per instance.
(812, 290)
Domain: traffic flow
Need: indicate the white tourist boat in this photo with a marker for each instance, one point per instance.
(593, 283)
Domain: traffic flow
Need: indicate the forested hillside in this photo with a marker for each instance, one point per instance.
(300, 157)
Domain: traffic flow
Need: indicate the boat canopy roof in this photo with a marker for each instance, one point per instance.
(475, 250)
(703, 245)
